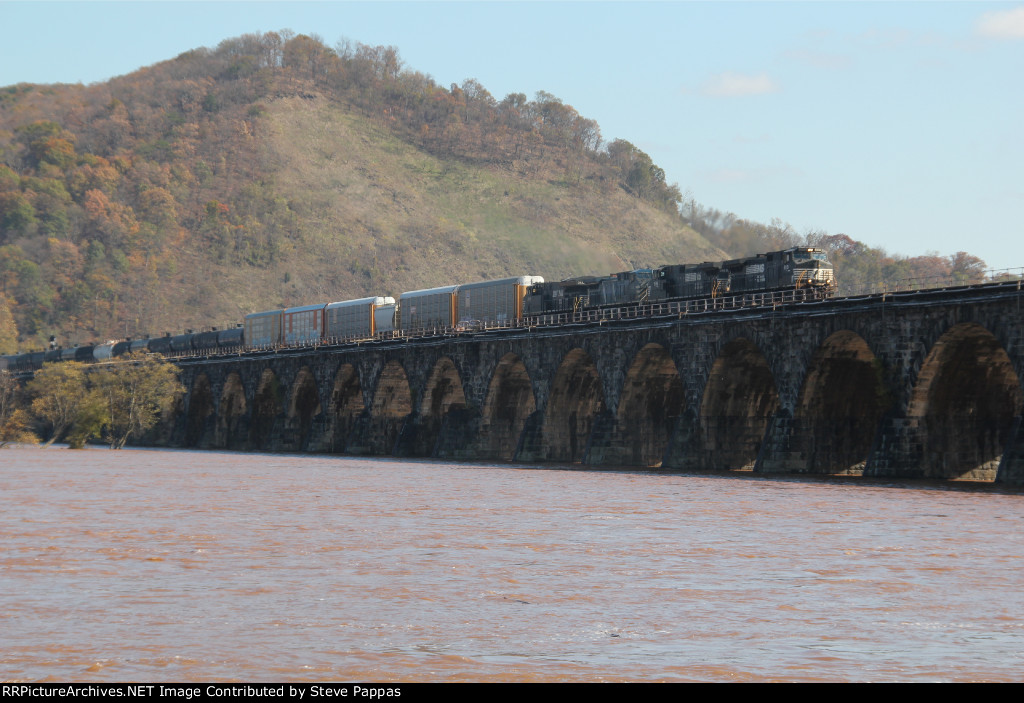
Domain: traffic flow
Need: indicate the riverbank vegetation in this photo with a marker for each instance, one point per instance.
(72, 402)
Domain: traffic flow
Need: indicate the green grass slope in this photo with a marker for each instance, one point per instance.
(381, 216)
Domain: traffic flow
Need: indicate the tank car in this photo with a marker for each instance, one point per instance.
(231, 340)
(111, 350)
(160, 345)
(103, 352)
(205, 342)
(85, 354)
(29, 361)
(182, 343)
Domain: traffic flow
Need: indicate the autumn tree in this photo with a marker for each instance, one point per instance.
(60, 396)
(8, 329)
(134, 394)
(16, 214)
(46, 142)
(13, 419)
(967, 268)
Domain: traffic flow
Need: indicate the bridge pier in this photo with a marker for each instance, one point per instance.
(452, 435)
(530, 445)
(784, 450)
(1011, 467)
(459, 435)
(351, 435)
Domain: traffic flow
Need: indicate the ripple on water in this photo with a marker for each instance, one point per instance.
(192, 566)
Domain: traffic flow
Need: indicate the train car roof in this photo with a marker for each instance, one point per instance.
(521, 280)
(264, 313)
(580, 280)
(743, 260)
(305, 308)
(428, 291)
(378, 300)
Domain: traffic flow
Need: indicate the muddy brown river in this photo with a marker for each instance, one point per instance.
(142, 565)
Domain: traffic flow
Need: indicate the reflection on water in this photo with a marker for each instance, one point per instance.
(186, 566)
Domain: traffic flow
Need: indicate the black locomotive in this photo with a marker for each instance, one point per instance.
(800, 268)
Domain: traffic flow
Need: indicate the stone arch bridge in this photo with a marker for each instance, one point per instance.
(924, 384)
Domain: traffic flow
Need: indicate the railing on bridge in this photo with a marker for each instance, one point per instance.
(668, 309)
(921, 283)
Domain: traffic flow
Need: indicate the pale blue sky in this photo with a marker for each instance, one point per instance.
(899, 124)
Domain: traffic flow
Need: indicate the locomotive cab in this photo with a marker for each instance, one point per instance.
(810, 268)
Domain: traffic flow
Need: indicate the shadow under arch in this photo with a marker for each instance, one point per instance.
(841, 404)
(575, 401)
(303, 408)
(651, 402)
(231, 415)
(510, 401)
(346, 407)
(738, 401)
(442, 394)
(965, 400)
(391, 406)
(200, 408)
(267, 408)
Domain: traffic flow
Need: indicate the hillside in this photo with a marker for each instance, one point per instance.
(402, 207)
(275, 171)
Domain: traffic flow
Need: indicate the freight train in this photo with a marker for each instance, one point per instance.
(471, 306)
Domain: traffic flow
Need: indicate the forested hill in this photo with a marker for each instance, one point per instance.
(276, 171)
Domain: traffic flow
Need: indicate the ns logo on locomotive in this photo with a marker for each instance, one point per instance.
(503, 302)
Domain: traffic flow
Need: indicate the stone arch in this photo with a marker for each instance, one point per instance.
(841, 404)
(231, 414)
(652, 400)
(574, 403)
(200, 408)
(965, 399)
(346, 406)
(303, 408)
(391, 406)
(738, 401)
(443, 390)
(267, 407)
(510, 401)
(442, 394)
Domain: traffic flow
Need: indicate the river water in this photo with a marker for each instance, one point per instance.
(140, 565)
